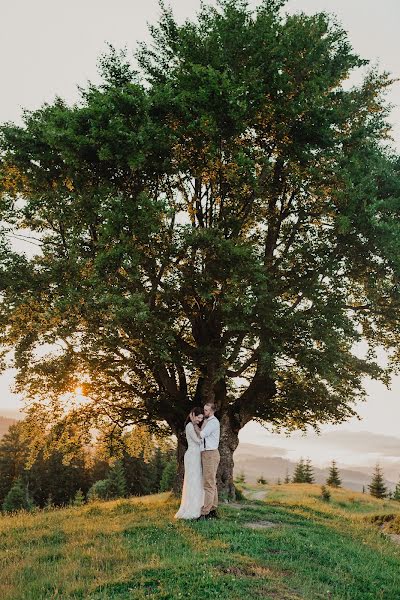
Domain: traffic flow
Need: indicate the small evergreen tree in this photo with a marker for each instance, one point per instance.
(261, 479)
(396, 493)
(168, 476)
(141, 477)
(287, 478)
(79, 499)
(49, 502)
(17, 498)
(157, 464)
(240, 478)
(308, 472)
(299, 473)
(333, 477)
(279, 481)
(117, 480)
(377, 486)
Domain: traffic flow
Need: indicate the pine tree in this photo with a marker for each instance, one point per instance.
(158, 464)
(13, 457)
(18, 497)
(79, 499)
(396, 493)
(308, 472)
(140, 475)
(333, 477)
(261, 479)
(299, 472)
(117, 480)
(49, 502)
(377, 486)
(287, 478)
(240, 478)
(278, 481)
(168, 476)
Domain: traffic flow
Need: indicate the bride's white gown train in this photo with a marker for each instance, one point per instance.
(192, 491)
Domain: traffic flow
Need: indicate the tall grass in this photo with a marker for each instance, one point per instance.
(134, 549)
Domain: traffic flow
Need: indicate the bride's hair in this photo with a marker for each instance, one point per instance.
(197, 410)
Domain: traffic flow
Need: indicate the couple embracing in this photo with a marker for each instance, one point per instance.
(199, 493)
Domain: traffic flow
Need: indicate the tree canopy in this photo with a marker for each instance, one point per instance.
(219, 222)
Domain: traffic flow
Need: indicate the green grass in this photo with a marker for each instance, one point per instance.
(134, 549)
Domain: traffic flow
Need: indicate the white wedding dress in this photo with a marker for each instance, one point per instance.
(193, 490)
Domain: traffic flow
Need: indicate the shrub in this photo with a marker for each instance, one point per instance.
(79, 499)
(17, 498)
(325, 493)
(240, 478)
(100, 490)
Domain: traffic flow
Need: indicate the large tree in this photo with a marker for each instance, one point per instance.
(220, 224)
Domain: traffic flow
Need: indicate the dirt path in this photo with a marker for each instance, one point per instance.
(255, 494)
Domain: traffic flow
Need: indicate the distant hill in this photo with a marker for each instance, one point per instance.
(256, 460)
(5, 423)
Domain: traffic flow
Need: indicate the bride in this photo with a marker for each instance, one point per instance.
(192, 491)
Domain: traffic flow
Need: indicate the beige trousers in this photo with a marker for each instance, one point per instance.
(210, 461)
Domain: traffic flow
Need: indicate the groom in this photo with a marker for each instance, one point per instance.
(209, 434)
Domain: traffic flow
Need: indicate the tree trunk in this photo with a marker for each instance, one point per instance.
(229, 441)
(180, 453)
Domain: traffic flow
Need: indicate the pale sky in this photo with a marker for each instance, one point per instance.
(48, 47)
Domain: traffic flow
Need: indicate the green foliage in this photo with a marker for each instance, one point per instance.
(377, 486)
(79, 499)
(49, 502)
(303, 472)
(240, 477)
(308, 472)
(18, 498)
(325, 493)
(230, 211)
(396, 493)
(333, 477)
(100, 490)
(13, 458)
(117, 487)
(168, 476)
(299, 472)
(239, 494)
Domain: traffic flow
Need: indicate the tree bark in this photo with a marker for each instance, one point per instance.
(180, 453)
(229, 441)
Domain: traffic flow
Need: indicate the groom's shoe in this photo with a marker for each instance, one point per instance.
(213, 514)
(202, 518)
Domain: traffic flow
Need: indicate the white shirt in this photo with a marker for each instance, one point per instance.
(210, 434)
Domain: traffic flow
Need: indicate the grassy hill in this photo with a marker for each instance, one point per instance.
(290, 546)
